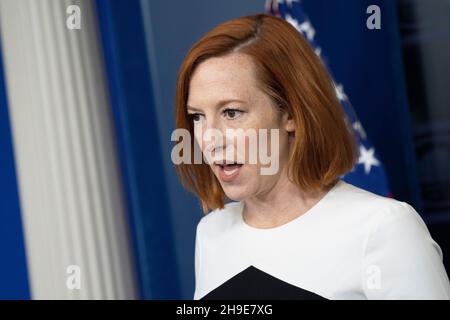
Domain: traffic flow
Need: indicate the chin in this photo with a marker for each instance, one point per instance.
(236, 193)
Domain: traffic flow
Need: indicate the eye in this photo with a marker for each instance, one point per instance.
(231, 114)
(194, 117)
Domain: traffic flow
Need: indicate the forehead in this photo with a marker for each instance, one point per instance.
(221, 77)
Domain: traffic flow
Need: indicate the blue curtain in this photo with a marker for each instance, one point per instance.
(132, 102)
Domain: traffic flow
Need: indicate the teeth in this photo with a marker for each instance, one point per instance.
(230, 172)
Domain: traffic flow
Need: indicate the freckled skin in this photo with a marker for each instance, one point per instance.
(233, 77)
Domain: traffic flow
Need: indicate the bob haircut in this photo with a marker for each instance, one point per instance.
(294, 77)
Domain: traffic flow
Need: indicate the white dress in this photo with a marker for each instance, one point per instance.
(352, 244)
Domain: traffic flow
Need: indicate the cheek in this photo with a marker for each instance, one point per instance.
(198, 134)
(254, 181)
(254, 146)
(245, 145)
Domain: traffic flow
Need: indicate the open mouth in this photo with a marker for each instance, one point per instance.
(228, 171)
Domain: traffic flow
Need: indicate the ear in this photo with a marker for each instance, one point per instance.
(288, 121)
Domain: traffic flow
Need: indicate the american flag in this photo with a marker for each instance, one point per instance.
(369, 172)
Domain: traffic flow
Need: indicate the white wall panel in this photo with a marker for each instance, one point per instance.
(71, 199)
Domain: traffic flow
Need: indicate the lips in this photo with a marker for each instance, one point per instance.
(228, 171)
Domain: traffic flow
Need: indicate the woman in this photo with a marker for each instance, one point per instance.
(299, 232)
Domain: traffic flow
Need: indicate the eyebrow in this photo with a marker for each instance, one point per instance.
(218, 105)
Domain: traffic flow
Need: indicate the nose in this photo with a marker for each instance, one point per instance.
(213, 138)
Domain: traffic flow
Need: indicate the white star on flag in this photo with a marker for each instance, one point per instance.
(366, 157)
(340, 92)
(293, 22)
(308, 29)
(305, 27)
(318, 51)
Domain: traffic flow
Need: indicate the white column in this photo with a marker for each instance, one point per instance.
(69, 184)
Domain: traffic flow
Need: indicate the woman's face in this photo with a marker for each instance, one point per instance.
(223, 95)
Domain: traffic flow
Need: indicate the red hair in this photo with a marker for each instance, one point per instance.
(294, 77)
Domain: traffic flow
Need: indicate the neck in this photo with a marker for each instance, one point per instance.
(281, 204)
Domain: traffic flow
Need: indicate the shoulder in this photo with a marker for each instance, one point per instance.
(376, 218)
(390, 226)
(399, 226)
(372, 207)
(400, 259)
(220, 220)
